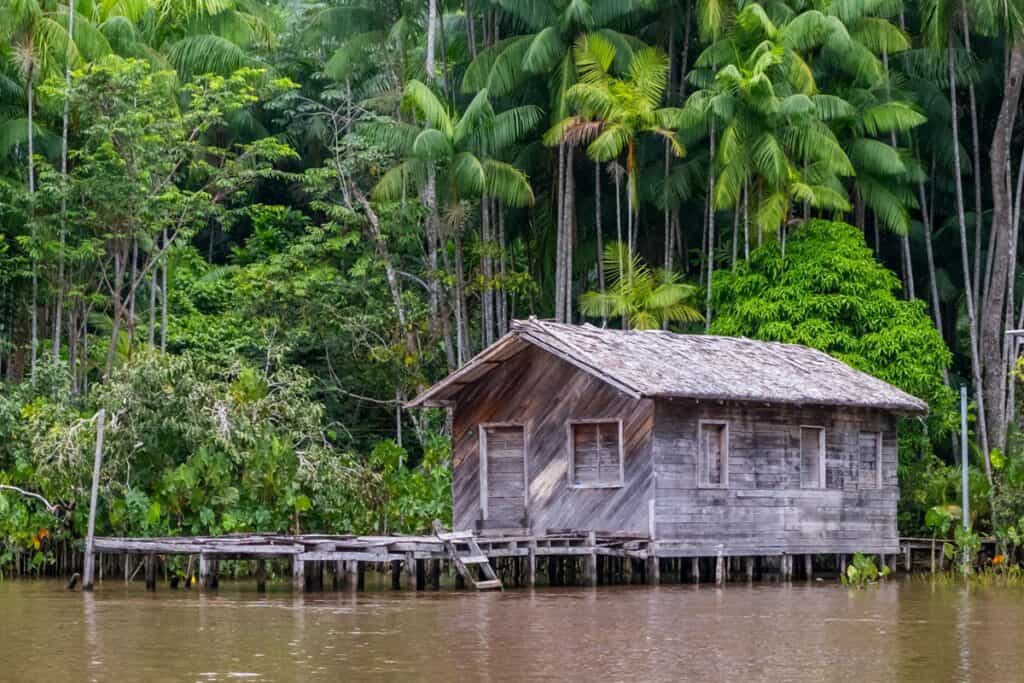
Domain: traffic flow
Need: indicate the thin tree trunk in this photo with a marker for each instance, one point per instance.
(686, 52)
(502, 292)
(711, 230)
(470, 29)
(115, 330)
(994, 309)
(151, 334)
(930, 254)
(976, 151)
(746, 220)
(486, 292)
(735, 236)
(59, 313)
(164, 294)
(599, 236)
(560, 237)
(969, 293)
(33, 308)
(570, 229)
(461, 333)
(431, 29)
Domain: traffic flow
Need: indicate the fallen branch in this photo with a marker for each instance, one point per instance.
(51, 508)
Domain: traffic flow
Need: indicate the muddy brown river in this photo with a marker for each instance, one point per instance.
(903, 631)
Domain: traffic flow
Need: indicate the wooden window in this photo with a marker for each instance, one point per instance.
(595, 453)
(870, 450)
(812, 457)
(714, 454)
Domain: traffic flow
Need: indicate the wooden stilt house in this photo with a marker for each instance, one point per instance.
(708, 445)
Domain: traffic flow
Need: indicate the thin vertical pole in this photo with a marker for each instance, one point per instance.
(963, 458)
(89, 562)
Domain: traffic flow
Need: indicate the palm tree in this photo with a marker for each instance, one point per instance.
(42, 39)
(612, 111)
(449, 158)
(645, 299)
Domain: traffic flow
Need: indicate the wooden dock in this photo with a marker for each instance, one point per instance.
(554, 558)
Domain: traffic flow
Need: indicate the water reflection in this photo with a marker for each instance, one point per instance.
(905, 631)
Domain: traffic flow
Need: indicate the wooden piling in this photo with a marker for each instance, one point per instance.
(150, 572)
(531, 564)
(435, 574)
(421, 575)
(695, 569)
(653, 566)
(842, 564)
(261, 576)
(908, 559)
(360, 574)
(809, 567)
(204, 572)
(298, 574)
(748, 562)
(396, 575)
(719, 569)
(410, 571)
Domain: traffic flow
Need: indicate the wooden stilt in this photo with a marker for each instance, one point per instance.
(842, 564)
(298, 574)
(204, 572)
(360, 575)
(339, 574)
(653, 566)
(421, 575)
(695, 569)
(531, 564)
(261, 576)
(150, 572)
(749, 566)
(435, 574)
(410, 571)
(396, 575)
(809, 567)
(908, 559)
(719, 569)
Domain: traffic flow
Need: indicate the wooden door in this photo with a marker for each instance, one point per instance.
(503, 475)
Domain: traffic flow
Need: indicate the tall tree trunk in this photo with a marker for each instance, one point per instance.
(969, 292)
(599, 236)
(686, 51)
(979, 222)
(487, 266)
(570, 228)
(933, 284)
(502, 292)
(164, 293)
(59, 313)
(470, 29)
(461, 331)
(151, 333)
(431, 30)
(560, 237)
(115, 329)
(746, 220)
(994, 308)
(34, 306)
(711, 229)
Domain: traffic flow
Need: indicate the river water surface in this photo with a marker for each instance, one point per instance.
(903, 631)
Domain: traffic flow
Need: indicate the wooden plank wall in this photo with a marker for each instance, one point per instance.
(545, 393)
(765, 510)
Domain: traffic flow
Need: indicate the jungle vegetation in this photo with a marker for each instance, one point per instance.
(249, 230)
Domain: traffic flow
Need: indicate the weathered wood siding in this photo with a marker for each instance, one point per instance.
(544, 394)
(764, 509)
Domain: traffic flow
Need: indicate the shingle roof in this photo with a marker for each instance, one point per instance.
(657, 364)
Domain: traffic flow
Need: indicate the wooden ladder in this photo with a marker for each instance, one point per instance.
(475, 557)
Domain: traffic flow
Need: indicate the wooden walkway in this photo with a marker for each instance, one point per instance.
(555, 558)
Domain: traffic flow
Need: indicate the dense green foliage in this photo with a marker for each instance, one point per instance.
(250, 231)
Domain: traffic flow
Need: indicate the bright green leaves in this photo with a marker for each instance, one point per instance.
(645, 298)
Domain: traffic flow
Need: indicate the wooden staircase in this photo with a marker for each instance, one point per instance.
(475, 557)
